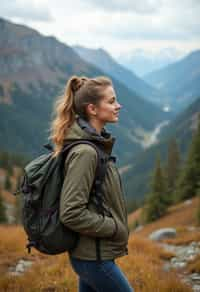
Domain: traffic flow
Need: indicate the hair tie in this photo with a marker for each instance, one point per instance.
(77, 83)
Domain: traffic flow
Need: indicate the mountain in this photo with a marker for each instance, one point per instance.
(182, 125)
(180, 80)
(143, 61)
(101, 59)
(34, 70)
(137, 175)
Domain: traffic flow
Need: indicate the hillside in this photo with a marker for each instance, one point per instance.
(137, 176)
(180, 216)
(183, 124)
(179, 80)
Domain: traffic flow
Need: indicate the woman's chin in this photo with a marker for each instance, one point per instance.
(116, 118)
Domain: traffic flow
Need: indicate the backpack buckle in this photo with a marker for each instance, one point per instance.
(113, 158)
(30, 245)
(97, 182)
(48, 146)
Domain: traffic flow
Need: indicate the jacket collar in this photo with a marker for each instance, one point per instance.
(81, 129)
(90, 129)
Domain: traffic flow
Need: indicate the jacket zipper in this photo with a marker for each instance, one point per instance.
(123, 197)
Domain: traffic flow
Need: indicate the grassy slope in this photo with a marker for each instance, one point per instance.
(142, 266)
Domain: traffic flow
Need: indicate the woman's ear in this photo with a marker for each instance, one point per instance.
(91, 109)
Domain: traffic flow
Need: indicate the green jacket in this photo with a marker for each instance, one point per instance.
(77, 214)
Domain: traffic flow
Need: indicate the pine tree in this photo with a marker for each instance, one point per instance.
(187, 182)
(18, 210)
(7, 184)
(172, 169)
(18, 204)
(6, 162)
(156, 203)
(4, 159)
(3, 218)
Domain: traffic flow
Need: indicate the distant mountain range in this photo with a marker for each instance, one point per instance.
(172, 87)
(142, 61)
(180, 81)
(101, 59)
(34, 70)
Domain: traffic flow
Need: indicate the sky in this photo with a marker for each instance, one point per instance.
(121, 27)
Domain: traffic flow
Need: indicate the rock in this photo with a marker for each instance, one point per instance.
(183, 254)
(196, 288)
(188, 202)
(178, 263)
(191, 228)
(20, 267)
(195, 277)
(138, 228)
(167, 267)
(162, 234)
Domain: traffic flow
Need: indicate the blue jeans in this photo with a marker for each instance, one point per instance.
(105, 276)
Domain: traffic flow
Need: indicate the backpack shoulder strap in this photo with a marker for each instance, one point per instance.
(102, 157)
(100, 170)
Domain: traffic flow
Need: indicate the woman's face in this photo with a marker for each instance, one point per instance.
(108, 109)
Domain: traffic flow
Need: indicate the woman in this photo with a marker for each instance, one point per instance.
(81, 113)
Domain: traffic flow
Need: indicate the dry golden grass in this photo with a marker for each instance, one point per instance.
(142, 266)
(180, 216)
(12, 246)
(46, 271)
(8, 197)
(194, 266)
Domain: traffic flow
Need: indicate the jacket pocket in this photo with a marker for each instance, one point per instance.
(121, 232)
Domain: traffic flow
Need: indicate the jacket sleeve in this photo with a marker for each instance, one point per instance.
(80, 173)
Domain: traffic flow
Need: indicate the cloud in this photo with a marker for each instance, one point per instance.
(118, 26)
(25, 10)
(140, 7)
(175, 20)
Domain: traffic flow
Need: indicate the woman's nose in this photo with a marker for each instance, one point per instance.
(119, 106)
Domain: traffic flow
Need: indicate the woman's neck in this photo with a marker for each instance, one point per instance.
(97, 125)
